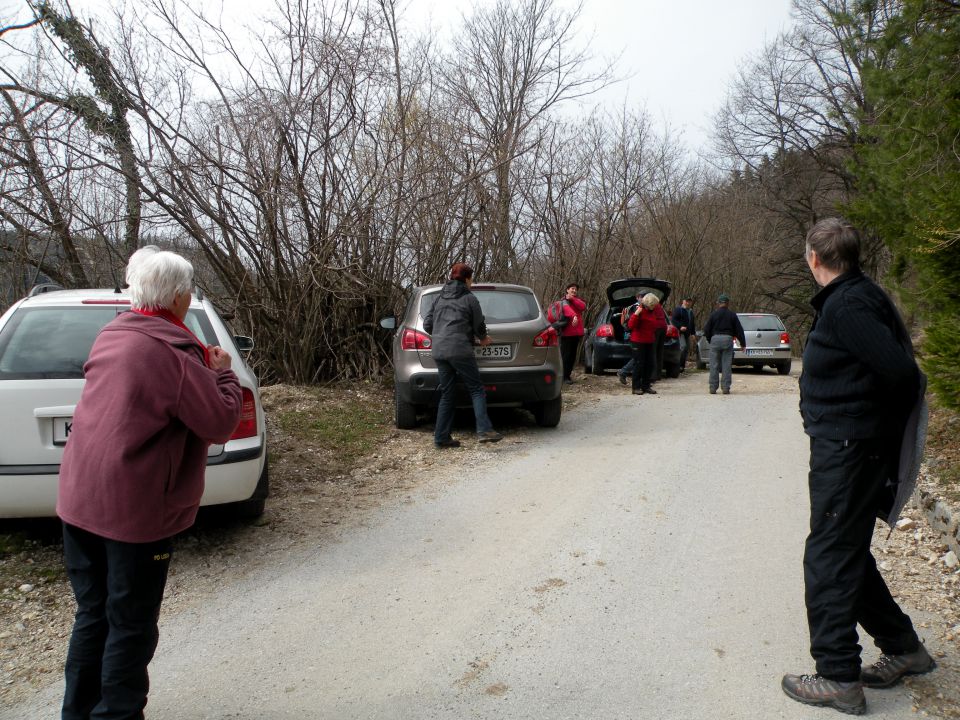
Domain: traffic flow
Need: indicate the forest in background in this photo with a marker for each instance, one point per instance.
(317, 168)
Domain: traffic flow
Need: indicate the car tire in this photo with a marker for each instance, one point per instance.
(784, 367)
(547, 413)
(405, 414)
(673, 371)
(253, 507)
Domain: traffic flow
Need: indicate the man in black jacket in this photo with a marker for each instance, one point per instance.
(722, 327)
(682, 319)
(858, 385)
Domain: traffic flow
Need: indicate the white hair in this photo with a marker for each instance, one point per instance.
(650, 301)
(133, 264)
(157, 278)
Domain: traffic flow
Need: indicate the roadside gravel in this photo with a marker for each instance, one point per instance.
(315, 494)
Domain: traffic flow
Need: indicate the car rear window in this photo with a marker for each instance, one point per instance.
(757, 323)
(54, 342)
(498, 306)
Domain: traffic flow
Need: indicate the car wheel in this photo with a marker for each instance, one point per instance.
(784, 368)
(253, 508)
(673, 371)
(405, 413)
(547, 413)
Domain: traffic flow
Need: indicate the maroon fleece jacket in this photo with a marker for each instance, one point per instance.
(134, 465)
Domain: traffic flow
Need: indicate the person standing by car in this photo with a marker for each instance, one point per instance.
(131, 478)
(455, 324)
(722, 327)
(859, 386)
(682, 319)
(643, 324)
(572, 333)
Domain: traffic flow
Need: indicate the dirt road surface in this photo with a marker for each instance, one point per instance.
(643, 560)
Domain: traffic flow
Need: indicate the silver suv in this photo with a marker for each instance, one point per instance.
(521, 367)
(44, 342)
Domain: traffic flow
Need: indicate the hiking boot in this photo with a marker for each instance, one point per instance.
(847, 697)
(623, 379)
(490, 436)
(650, 391)
(727, 391)
(889, 669)
(638, 392)
(713, 391)
(451, 443)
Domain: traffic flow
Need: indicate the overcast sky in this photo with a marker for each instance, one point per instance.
(679, 55)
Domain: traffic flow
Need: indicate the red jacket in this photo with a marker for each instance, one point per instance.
(133, 468)
(573, 309)
(643, 327)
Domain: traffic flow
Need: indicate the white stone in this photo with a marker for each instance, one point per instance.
(906, 524)
(950, 560)
(26, 587)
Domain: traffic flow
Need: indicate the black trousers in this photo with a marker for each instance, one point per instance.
(569, 345)
(843, 586)
(118, 587)
(643, 358)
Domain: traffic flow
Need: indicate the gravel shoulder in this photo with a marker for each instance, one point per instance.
(318, 494)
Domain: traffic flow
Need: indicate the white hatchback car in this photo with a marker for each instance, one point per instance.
(44, 342)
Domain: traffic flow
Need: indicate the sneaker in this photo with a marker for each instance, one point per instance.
(727, 391)
(451, 443)
(638, 392)
(847, 697)
(713, 391)
(623, 379)
(889, 669)
(490, 436)
(650, 391)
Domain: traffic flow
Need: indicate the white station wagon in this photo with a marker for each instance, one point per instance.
(44, 342)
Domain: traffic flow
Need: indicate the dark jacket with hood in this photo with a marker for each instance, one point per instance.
(454, 321)
(859, 379)
(134, 467)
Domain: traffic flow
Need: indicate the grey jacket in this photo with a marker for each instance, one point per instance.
(455, 321)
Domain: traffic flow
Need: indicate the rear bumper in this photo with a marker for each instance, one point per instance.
(504, 387)
(31, 490)
(779, 356)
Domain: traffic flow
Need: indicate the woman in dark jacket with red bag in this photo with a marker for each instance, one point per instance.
(132, 475)
(643, 325)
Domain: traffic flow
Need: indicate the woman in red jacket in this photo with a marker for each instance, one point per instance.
(132, 475)
(572, 333)
(643, 325)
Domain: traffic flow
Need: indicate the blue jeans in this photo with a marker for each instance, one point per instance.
(118, 587)
(466, 370)
(721, 359)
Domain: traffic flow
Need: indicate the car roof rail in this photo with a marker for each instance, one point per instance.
(44, 288)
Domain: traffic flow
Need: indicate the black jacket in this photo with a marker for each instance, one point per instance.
(683, 316)
(454, 321)
(724, 321)
(859, 379)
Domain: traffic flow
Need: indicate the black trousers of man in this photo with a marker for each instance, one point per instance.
(119, 587)
(569, 346)
(848, 481)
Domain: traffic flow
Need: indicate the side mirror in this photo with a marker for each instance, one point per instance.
(244, 344)
(388, 323)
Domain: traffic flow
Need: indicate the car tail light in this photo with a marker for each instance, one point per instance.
(784, 338)
(248, 417)
(548, 338)
(672, 331)
(415, 340)
(605, 330)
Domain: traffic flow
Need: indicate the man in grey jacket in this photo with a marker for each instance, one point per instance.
(455, 324)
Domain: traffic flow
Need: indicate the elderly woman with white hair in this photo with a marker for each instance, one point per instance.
(132, 475)
(643, 324)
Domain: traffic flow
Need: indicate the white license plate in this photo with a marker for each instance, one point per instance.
(62, 427)
(760, 353)
(493, 352)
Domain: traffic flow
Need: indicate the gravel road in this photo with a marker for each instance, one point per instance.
(643, 560)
